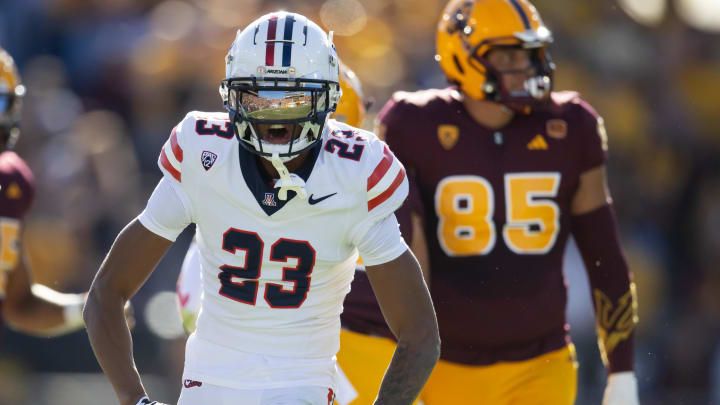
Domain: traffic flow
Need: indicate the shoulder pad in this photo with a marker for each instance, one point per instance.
(193, 131)
(421, 98)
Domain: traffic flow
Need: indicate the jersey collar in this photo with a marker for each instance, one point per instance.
(260, 184)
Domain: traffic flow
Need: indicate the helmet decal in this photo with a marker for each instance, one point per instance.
(270, 42)
(287, 40)
(521, 13)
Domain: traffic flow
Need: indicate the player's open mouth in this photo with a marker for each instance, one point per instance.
(278, 134)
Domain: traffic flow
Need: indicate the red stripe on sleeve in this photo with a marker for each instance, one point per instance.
(168, 166)
(381, 168)
(387, 193)
(270, 46)
(177, 150)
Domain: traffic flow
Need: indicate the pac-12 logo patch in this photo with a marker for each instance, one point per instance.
(208, 159)
(448, 135)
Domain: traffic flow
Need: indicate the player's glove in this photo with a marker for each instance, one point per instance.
(147, 401)
(621, 389)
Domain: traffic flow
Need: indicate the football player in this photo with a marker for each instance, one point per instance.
(27, 307)
(506, 170)
(351, 110)
(283, 200)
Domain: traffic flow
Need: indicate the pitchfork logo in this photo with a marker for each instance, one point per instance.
(208, 159)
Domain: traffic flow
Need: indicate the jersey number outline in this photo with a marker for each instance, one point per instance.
(342, 148)
(465, 206)
(215, 129)
(275, 294)
(9, 243)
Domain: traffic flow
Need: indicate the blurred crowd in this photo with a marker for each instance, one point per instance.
(108, 79)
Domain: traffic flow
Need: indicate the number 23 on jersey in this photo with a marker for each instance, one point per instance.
(465, 206)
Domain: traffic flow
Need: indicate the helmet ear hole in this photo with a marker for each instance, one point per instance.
(458, 65)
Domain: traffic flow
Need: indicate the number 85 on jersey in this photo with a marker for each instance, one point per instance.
(465, 206)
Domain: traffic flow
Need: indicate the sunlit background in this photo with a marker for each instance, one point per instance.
(108, 79)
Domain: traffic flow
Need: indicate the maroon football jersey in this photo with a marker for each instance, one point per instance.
(496, 216)
(16, 193)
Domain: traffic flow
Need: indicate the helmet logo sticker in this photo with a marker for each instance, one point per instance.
(556, 128)
(448, 135)
(208, 159)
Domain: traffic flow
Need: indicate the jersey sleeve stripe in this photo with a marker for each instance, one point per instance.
(388, 192)
(177, 150)
(165, 162)
(381, 168)
(386, 180)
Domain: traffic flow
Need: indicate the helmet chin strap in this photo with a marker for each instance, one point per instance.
(288, 181)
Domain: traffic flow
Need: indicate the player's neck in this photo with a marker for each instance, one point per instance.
(487, 113)
(292, 165)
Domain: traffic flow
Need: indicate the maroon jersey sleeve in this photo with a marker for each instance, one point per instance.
(613, 292)
(16, 195)
(17, 186)
(392, 125)
(592, 134)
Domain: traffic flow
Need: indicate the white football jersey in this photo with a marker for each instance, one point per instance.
(189, 287)
(274, 273)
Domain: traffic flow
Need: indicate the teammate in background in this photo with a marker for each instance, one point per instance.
(351, 110)
(30, 308)
(506, 169)
(280, 216)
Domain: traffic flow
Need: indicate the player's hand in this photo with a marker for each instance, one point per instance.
(147, 401)
(621, 389)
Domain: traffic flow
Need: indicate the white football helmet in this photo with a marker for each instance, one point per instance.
(281, 69)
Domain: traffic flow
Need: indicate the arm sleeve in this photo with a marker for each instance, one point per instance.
(611, 285)
(167, 212)
(593, 138)
(382, 243)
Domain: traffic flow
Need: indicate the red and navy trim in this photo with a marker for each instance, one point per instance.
(287, 40)
(270, 42)
(287, 45)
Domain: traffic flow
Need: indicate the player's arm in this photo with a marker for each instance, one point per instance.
(27, 307)
(418, 245)
(131, 259)
(594, 228)
(37, 309)
(133, 256)
(405, 302)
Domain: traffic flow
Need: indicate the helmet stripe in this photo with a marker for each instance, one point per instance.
(287, 45)
(521, 12)
(270, 43)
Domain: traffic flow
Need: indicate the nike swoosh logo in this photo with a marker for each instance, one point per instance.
(314, 201)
